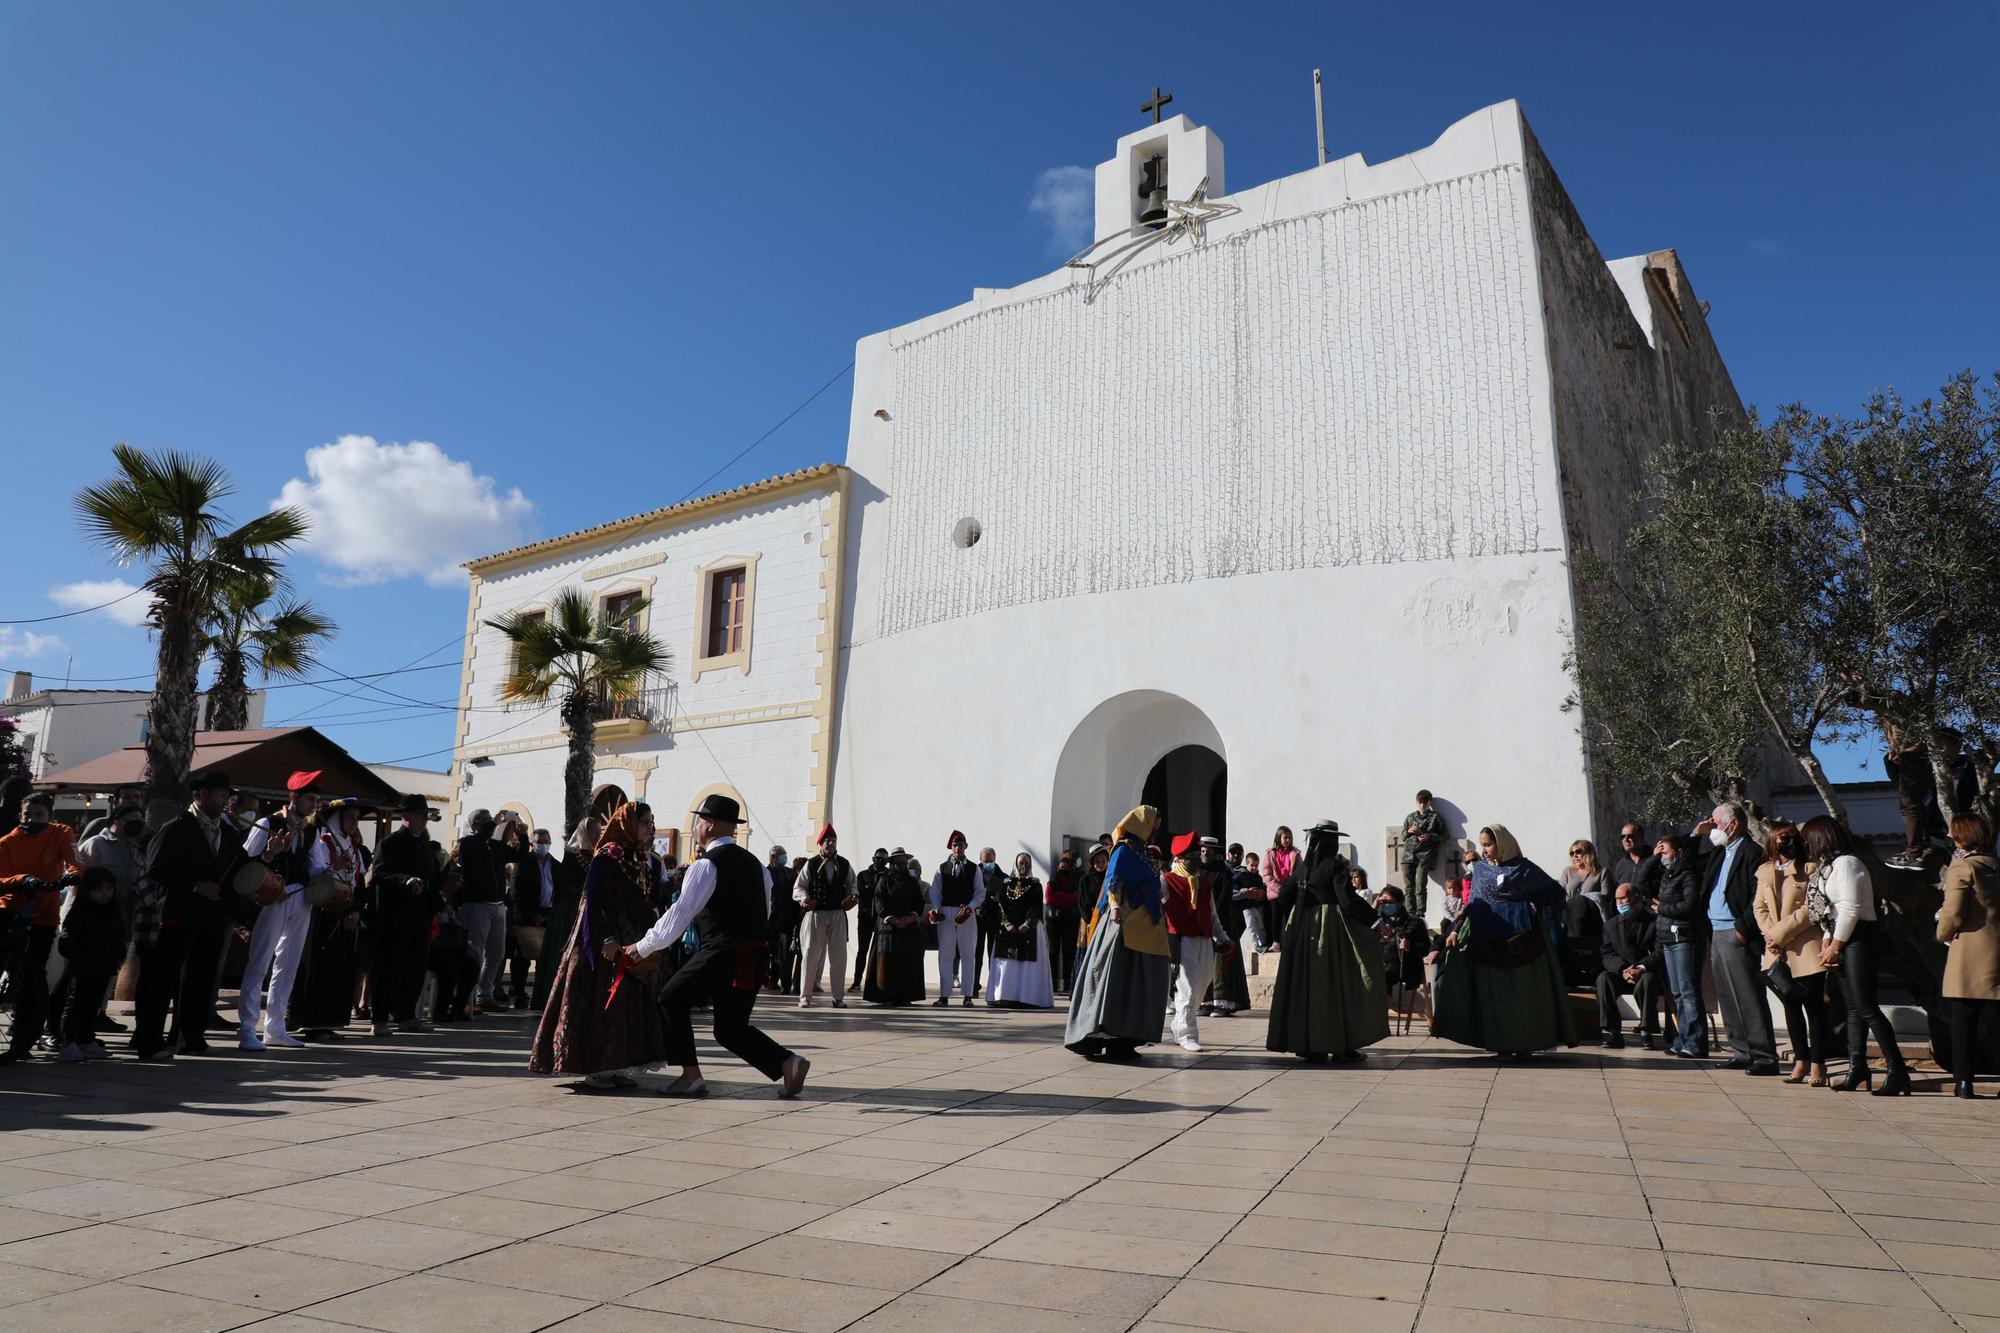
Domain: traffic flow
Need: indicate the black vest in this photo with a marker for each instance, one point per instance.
(955, 887)
(734, 912)
(827, 883)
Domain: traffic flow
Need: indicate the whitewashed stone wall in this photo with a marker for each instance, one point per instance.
(1352, 387)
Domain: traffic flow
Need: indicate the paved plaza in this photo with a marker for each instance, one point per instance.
(957, 1170)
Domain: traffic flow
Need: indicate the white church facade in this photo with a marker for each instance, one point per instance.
(1266, 518)
(1262, 511)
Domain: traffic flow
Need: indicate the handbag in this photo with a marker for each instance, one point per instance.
(1819, 908)
(1778, 977)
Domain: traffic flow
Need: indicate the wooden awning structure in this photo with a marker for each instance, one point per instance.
(256, 761)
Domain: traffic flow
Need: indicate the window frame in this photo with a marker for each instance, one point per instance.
(704, 593)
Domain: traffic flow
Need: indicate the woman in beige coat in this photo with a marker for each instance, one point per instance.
(1970, 924)
(1780, 908)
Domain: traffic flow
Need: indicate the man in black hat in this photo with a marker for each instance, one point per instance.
(187, 863)
(403, 898)
(726, 897)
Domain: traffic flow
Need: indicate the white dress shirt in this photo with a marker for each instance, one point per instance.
(697, 887)
(936, 895)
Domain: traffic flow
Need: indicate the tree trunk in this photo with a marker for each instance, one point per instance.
(170, 716)
(229, 697)
(581, 768)
(1821, 784)
(1941, 776)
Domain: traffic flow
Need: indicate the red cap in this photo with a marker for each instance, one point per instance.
(1185, 843)
(824, 834)
(303, 781)
(956, 839)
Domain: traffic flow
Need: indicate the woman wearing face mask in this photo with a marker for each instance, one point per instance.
(323, 1001)
(1684, 928)
(1791, 936)
(1501, 985)
(1841, 897)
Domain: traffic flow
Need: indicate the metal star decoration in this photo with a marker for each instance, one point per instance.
(1187, 217)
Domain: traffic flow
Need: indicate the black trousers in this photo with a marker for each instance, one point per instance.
(179, 971)
(86, 997)
(402, 945)
(1063, 923)
(1965, 1033)
(709, 978)
(1611, 985)
(1806, 1019)
(28, 970)
(1858, 961)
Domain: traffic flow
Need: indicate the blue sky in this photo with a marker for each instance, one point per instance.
(587, 253)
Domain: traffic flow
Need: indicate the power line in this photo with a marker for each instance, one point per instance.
(84, 611)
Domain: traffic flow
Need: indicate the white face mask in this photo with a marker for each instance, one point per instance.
(1718, 837)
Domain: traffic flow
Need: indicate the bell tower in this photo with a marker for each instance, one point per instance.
(1165, 160)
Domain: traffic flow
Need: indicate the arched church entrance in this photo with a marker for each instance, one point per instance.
(1142, 747)
(1189, 786)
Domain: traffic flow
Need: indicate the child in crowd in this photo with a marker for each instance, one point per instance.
(92, 942)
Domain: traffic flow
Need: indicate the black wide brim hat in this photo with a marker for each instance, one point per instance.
(414, 805)
(722, 809)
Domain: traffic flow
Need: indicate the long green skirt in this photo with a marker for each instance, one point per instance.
(1499, 1008)
(1328, 997)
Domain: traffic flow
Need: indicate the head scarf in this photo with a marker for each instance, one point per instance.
(1512, 877)
(1505, 846)
(1139, 823)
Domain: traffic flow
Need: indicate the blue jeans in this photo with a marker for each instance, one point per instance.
(1684, 962)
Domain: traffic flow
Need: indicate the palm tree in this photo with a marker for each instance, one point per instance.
(250, 628)
(583, 662)
(160, 511)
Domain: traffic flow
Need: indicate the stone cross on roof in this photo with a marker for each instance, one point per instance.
(1159, 100)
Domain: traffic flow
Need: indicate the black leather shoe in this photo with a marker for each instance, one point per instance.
(1762, 1068)
(1897, 1084)
(1963, 1088)
(106, 1023)
(1650, 1042)
(1737, 1062)
(941, 1001)
(1613, 1042)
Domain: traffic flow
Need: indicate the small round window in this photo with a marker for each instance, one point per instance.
(966, 533)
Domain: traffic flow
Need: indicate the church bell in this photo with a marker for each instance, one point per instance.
(1153, 192)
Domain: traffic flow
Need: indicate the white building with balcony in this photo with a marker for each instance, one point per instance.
(744, 589)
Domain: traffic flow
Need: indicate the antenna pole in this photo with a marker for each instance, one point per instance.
(1319, 117)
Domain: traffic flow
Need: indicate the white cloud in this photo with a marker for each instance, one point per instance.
(1768, 248)
(1066, 199)
(389, 511)
(19, 645)
(125, 608)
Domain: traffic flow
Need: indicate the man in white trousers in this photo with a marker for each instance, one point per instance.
(1195, 936)
(283, 842)
(958, 891)
(826, 890)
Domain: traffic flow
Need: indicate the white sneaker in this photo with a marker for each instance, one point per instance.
(1188, 1043)
(839, 1003)
(95, 1051)
(247, 1041)
(283, 1038)
(805, 1001)
(70, 1055)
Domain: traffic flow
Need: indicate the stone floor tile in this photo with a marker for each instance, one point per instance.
(1544, 1295)
(1963, 1295)
(1770, 1277)
(1973, 1234)
(516, 1219)
(649, 1237)
(762, 1299)
(1041, 1244)
(1740, 1312)
(560, 1187)
(976, 1205)
(946, 1235)
(1035, 1184)
(19, 1284)
(773, 1183)
(1950, 1260)
(346, 1194)
(241, 1221)
(1188, 1195)
(1108, 1294)
(1563, 1228)
(770, 1216)
(1349, 1238)
(444, 1305)
(1189, 1224)
(1571, 1203)
(1749, 1243)
(563, 1270)
(880, 1266)
(101, 1200)
(398, 1245)
(107, 1250)
(926, 1314)
(1221, 1305)
(1346, 1208)
(1515, 1254)
(117, 1307)
(1699, 1212)
(455, 1177)
(266, 1278)
(25, 1223)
